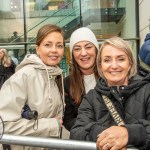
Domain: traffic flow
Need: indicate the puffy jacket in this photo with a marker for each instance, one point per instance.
(145, 50)
(133, 104)
(144, 57)
(33, 84)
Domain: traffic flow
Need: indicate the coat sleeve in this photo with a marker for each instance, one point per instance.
(86, 128)
(70, 113)
(139, 131)
(13, 96)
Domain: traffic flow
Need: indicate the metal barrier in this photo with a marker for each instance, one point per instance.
(50, 142)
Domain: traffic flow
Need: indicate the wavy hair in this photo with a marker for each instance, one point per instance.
(5, 60)
(77, 88)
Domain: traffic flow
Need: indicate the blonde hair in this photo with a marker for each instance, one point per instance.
(119, 43)
(6, 61)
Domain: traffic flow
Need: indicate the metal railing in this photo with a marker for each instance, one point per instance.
(50, 143)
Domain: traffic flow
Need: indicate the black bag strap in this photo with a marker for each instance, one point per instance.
(115, 115)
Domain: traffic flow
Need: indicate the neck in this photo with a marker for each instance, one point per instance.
(87, 72)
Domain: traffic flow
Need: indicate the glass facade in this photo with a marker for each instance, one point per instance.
(21, 19)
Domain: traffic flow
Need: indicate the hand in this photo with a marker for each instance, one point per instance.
(113, 138)
(60, 121)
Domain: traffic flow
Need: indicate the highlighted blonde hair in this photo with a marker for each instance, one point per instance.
(119, 43)
(5, 60)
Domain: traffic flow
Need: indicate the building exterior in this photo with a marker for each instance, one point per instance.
(105, 17)
(144, 19)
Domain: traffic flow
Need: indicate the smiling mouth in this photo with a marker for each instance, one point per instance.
(84, 59)
(116, 72)
(53, 57)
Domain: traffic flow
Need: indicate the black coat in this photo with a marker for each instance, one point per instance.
(133, 104)
(71, 109)
(6, 72)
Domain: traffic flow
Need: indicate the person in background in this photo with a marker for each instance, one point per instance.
(37, 83)
(129, 94)
(11, 55)
(144, 57)
(7, 66)
(14, 39)
(83, 74)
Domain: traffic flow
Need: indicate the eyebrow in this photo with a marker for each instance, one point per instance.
(89, 43)
(117, 55)
(52, 42)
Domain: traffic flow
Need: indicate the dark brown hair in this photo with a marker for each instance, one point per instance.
(42, 33)
(77, 88)
(45, 30)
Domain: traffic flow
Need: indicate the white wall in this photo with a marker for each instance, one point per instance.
(144, 16)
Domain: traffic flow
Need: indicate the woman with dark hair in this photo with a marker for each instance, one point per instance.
(83, 74)
(38, 83)
(7, 66)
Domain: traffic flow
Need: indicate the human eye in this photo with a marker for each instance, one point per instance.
(106, 60)
(88, 47)
(60, 46)
(76, 48)
(121, 59)
(47, 45)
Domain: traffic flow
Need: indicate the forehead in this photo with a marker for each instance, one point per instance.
(53, 36)
(83, 43)
(109, 50)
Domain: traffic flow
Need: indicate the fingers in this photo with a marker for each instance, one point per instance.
(113, 138)
(106, 147)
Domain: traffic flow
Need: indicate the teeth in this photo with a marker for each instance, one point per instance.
(84, 59)
(53, 57)
(114, 72)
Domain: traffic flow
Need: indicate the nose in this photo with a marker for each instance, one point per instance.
(54, 48)
(114, 64)
(83, 51)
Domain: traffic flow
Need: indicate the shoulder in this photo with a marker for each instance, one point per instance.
(27, 71)
(92, 96)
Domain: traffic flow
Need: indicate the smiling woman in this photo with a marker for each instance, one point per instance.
(83, 74)
(36, 85)
(129, 95)
(51, 49)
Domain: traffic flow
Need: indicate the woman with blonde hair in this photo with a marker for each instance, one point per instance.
(116, 113)
(7, 66)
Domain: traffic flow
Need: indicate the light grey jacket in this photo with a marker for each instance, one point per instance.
(34, 84)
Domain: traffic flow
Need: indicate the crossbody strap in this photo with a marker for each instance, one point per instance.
(115, 115)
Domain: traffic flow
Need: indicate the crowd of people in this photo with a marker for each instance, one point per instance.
(104, 99)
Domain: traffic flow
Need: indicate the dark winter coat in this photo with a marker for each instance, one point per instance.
(71, 109)
(133, 104)
(6, 72)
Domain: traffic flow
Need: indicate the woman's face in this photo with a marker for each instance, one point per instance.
(84, 53)
(1, 54)
(114, 65)
(51, 49)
